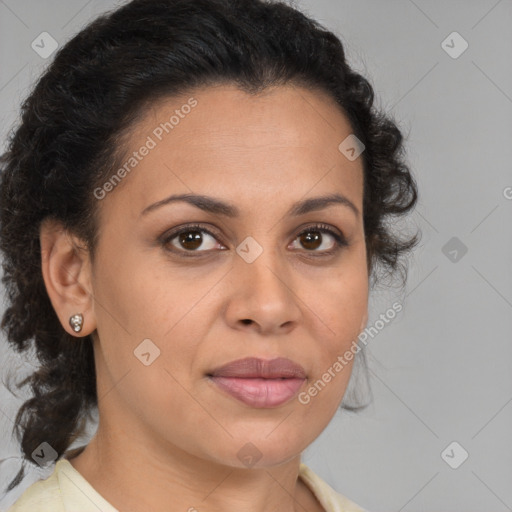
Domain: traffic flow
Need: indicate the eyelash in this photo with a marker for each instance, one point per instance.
(340, 240)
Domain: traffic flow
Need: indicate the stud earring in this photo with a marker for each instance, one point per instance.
(76, 321)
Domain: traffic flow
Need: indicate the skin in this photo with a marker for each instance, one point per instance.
(167, 438)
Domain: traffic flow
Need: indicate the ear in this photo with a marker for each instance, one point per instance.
(66, 272)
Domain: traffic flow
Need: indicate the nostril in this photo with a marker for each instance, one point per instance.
(247, 321)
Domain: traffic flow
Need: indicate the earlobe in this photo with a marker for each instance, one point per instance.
(67, 276)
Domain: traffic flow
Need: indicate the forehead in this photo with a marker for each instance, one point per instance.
(286, 115)
(220, 140)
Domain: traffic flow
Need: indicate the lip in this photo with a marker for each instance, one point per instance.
(254, 367)
(258, 382)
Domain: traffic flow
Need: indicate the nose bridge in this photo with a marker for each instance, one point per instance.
(260, 260)
(262, 268)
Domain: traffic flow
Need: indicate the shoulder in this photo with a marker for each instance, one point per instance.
(65, 490)
(330, 499)
(41, 496)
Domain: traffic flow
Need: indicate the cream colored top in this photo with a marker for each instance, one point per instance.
(66, 490)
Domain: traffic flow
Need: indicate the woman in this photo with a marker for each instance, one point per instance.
(201, 191)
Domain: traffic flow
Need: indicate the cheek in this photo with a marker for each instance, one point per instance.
(147, 346)
(343, 314)
(133, 296)
(137, 301)
(340, 305)
(339, 309)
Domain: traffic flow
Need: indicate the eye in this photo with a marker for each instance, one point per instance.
(190, 239)
(312, 238)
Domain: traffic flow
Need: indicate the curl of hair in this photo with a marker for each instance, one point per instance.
(70, 139)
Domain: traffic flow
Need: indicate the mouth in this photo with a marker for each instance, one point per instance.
(259, 383)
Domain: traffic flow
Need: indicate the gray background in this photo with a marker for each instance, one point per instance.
(441, 370)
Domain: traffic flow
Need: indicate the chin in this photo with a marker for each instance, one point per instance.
(260, 450)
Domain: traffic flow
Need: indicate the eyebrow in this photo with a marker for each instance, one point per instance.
(218, 207)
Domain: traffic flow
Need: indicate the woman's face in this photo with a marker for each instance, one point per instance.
(170, 308)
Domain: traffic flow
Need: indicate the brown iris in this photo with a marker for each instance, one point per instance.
(194, 238)
(310, 239)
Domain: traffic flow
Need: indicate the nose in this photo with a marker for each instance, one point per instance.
(263, 291)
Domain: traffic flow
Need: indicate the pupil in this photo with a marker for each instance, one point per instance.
(310, 240)
(191, 237)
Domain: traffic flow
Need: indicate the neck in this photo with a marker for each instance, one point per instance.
(138, 477)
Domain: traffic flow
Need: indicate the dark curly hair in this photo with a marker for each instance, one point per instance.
(71, 136)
